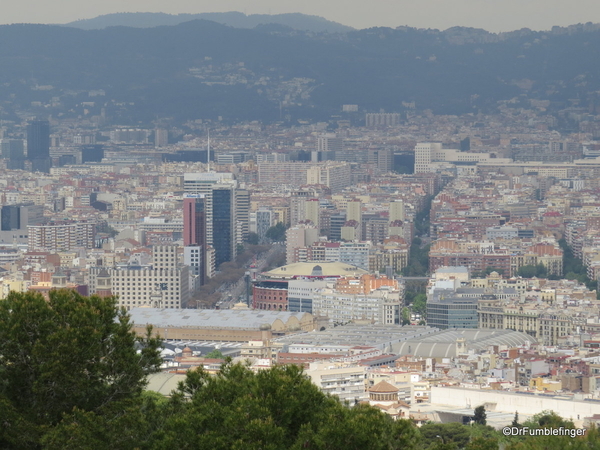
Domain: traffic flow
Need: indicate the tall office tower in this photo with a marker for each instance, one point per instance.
(13, 151)
(203, 183)
(194, 220)
(21, 215)
(18, 217)
(10, 218)
(161, 137)
(223, 223)
(38, 145)
(194, 235)
(242, 215)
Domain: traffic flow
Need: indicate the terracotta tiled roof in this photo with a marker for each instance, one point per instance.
(383, 387)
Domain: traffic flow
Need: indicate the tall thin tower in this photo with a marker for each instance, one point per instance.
(208, 150)
(194, 235)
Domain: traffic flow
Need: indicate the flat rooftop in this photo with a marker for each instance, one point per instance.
(209, 318)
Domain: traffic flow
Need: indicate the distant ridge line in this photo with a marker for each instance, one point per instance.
(297, 21)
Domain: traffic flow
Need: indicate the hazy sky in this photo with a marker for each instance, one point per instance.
(493, 15)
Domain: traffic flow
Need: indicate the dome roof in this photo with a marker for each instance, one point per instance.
(383, 387)
(311, 269)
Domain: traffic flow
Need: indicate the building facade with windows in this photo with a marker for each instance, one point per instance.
(164, 284)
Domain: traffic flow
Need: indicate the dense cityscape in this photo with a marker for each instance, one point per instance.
(402, 279)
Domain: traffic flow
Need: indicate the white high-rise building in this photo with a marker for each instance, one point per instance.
(430, 157)
(423, 156)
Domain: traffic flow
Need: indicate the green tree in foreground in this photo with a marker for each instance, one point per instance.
(276, 409)
(71, 353)
(444, 435)
(515, 422)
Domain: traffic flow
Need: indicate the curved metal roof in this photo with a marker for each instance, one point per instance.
(443, 344)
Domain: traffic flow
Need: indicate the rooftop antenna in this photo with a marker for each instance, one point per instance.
(208, 150)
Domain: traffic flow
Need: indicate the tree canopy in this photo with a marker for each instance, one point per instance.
(480, 417)
(278, 408)
(277, 232)
(70, 353)
(530, 271)
(215, 354)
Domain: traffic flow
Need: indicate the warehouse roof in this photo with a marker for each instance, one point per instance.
(210, 318)
(420, 341)
(443, 344)
(379, 336)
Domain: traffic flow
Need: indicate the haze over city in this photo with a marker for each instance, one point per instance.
(491, 15)
(266, 229)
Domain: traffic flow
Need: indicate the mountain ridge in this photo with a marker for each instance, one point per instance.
(297, 21)
(202, 69)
